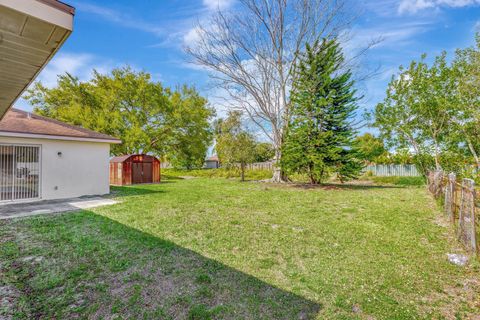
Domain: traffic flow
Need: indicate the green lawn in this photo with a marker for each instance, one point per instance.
(220, 249)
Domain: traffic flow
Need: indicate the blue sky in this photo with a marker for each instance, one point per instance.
(150, 35)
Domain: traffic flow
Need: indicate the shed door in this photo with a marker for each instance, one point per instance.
(142, 172)
(19, 172)
(137, 172)
(147, 172)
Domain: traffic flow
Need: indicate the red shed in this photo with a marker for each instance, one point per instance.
(134, 169)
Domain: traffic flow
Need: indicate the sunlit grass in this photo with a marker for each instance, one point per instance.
(221, 249)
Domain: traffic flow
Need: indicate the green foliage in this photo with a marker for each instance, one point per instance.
(402, 156)
(319, 140)
(465, 120)
(263, 152)
(418, 104)
(234, 145)
(129, 105)
(219, 173)
(435, 111)
(370, 148)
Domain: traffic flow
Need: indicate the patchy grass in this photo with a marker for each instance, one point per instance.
(220, 249)
(398, 181)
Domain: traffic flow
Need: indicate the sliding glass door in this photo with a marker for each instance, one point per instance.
(19, 172)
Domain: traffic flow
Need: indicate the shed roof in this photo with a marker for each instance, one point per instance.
(127, 156)
(212, 158)
(18, 123)
(120, 158)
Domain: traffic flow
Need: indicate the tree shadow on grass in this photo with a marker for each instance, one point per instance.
(95, 267)
(166, 177)
(136, 190)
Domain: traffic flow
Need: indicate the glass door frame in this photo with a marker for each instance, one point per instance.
(14, 173)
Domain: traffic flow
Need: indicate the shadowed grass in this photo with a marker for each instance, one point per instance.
(219, 249)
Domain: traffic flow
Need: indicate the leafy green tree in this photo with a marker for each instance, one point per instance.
(370, 148)
(234, 145)
(319, 140)
(263, 152)
(129, 105)
(465, 122)
(417, 110)
(193, 134)
(402, 156)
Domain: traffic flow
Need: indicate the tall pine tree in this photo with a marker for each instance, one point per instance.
(319, 140)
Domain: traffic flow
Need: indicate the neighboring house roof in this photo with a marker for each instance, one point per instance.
(212, 158)
(18, 123)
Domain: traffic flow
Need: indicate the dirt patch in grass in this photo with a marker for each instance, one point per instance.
(440, 304)
(92, 267)
(218, 249)
(9, 296)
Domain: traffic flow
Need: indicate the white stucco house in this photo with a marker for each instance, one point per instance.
(40, 158)
(44, 159)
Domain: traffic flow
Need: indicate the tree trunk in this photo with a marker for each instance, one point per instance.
(473, 151)
(278, 175)
(242, 171)
(311, 175)
(437, 155)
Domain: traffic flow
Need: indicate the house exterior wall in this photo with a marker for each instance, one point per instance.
(211, 164)
(82, 169)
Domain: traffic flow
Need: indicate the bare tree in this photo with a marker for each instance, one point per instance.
(252, 52)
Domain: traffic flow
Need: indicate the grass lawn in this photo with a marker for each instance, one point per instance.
(220, 249)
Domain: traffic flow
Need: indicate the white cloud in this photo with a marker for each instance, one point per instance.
(218, 4)
(476, 26)
(120, 18)
(75, 64)
(192, 36)
(381, 36)
(80, 65)
(413, 6)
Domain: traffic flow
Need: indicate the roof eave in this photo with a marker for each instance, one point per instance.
(57, 137)
(56, 14)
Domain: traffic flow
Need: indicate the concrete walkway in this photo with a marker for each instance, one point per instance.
(18, 210)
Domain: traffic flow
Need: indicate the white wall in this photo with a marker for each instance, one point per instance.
(83, 168)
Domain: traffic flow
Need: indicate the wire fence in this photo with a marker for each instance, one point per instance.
(460, 206)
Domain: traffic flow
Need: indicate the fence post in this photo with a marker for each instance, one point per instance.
(450, 197)
(437, 183)
(466, 223)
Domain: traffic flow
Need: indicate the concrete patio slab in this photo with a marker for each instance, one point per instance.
(19, 210)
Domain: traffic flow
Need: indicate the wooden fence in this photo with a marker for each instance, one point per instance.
(393, 170)
(261, 166)
(460, 206)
